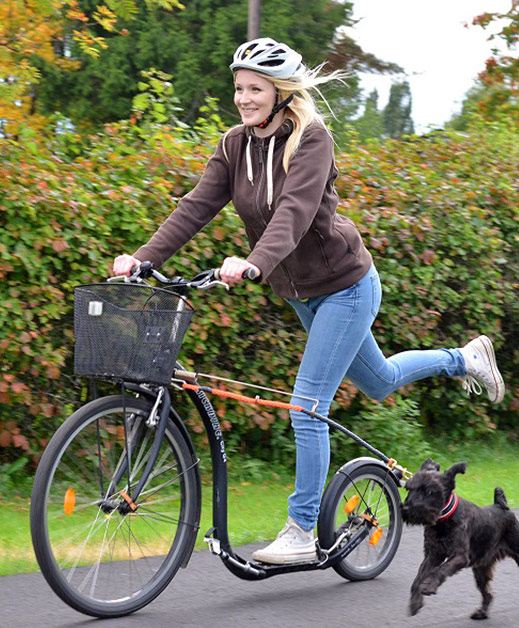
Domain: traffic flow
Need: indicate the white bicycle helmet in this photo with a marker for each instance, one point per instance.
(269, 57)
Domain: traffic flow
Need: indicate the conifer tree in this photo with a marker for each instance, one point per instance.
(397, 120)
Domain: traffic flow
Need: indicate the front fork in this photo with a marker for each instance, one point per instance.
(158, 419)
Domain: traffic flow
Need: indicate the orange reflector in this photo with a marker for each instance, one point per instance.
(351, 504)
(69, 503)
(376, 536)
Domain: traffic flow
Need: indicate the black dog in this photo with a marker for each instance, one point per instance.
(457, 533)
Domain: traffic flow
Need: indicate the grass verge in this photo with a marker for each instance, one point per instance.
(257, 510)
(257, 507)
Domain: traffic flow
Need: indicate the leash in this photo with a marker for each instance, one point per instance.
(180, 376)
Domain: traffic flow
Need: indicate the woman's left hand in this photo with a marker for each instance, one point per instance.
(233, 268)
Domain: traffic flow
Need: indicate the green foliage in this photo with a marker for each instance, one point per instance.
(439, 213)
(394, 427)
(370, 124)
(396, 118)
(476, 95)
(194, 45)
(13, 479)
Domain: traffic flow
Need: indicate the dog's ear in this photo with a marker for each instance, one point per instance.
(450, 474)
(429, 465)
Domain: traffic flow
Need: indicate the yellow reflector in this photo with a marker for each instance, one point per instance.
(376, 536)
(69, 503)
(351, 504)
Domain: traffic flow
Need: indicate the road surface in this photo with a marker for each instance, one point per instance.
(206, 595)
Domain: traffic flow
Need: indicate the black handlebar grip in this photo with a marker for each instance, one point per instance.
(146, 266)
(250, 273)
(145, 269)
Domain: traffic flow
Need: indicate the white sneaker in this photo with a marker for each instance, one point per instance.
(292, 545)
(480, 362)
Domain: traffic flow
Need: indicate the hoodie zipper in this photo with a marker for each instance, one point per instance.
(292, 284)
(261, 151)
(262, 177)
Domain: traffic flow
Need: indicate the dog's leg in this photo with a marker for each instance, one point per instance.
(483, 576)
(429, 563)
(438, 576)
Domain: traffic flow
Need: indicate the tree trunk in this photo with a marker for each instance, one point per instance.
(253, 31)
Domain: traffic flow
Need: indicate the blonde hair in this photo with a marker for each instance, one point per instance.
(302, 110)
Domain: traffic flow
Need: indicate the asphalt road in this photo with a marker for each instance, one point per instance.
(206, 595)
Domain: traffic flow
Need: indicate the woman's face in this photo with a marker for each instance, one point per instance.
(254, 97)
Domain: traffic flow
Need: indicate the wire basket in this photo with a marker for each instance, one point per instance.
(128, 331)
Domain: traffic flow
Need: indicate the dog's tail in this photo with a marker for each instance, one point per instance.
(500, 498)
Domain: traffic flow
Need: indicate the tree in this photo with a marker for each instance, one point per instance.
(501, 74)
(477, 94)
(370, 124)
(40, 33)
(397, 120)
(347, 54)
(26, 29)
(195, 46)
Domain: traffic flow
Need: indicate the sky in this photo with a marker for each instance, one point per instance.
(429, 40)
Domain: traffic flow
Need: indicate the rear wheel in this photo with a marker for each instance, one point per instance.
(356, 497)
(100, 556)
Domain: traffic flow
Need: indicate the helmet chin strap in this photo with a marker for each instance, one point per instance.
(276, 109)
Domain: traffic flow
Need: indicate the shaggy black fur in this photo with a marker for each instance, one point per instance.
(472, 537)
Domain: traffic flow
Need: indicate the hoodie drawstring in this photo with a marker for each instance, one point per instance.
(270, 183)
(249, 162)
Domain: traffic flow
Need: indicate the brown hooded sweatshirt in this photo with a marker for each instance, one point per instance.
(298, 241)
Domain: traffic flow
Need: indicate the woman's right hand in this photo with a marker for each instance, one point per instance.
(123, 265)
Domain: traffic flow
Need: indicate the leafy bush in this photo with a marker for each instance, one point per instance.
(394, 427)
(439, 213)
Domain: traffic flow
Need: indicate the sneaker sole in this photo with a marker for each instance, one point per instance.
(285, 560)
(498, 379)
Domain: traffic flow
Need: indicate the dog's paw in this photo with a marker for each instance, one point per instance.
(479, 614)
(415, 605)
(429, 586)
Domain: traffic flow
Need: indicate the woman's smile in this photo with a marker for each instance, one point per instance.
(254, 97)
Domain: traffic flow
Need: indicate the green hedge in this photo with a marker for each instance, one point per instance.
(439, 214)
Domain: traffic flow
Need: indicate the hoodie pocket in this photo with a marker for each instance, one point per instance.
(320, 244)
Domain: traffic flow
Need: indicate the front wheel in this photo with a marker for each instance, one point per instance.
(100, 556)
(362, 494)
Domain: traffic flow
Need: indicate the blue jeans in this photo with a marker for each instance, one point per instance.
(340, 344)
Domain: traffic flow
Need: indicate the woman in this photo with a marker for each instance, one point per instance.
(278, 169)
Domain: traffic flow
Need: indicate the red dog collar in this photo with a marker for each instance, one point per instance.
(450, 508)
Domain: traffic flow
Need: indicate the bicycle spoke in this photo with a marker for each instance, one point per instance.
(362, 496)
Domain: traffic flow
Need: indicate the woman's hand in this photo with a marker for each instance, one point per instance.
(123, 264)
(233, 268)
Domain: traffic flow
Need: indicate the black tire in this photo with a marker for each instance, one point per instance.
(101, 561)
(368, 489)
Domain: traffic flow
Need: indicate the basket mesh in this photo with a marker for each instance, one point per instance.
(128, 331)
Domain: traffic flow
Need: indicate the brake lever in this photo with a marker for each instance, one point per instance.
(208, 280)
(208, 283)
(126, 279)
